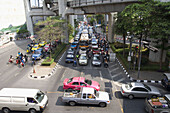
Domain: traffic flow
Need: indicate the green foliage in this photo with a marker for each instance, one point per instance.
(100, 17)
(58, 50)
(70, 29)
(52, 30)
(47, 62)
(119, 45)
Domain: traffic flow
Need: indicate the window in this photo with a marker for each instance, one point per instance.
(82, 84)
(139, 89)
(69, 80)
(31, 100)
(89, 82)
(75, 83)
(90, 96)
(84, 96)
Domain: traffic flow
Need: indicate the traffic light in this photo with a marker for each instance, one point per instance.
(136, 48)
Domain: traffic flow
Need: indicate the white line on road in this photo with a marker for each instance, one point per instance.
(120, 80)
(115, 69)
(16, 74)
(63, 74)
(113, 65)
(115, 75)
(101, 77)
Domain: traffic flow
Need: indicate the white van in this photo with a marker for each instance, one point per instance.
(21, 99)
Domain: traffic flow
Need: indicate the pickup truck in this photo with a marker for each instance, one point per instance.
(86, 96)
(158, 105)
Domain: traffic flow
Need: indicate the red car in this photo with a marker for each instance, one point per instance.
(77, 82)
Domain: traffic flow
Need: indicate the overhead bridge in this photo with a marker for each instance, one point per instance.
(98, 6)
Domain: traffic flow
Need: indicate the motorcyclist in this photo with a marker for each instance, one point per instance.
(11, 59)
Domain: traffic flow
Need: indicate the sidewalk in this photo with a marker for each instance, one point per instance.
(147, 75)
(39, 71)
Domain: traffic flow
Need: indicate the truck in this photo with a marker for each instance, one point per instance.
(86, 96)
(158, 105)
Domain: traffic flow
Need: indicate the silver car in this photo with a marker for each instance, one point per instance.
(134, 89)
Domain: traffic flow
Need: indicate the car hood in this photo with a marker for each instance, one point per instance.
(73, 45)
(154, 90)
(95, 85)
(65, 81)
(103, 96)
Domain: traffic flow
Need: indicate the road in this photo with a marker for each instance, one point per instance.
(110, 80)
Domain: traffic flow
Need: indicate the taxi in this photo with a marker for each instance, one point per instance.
(42, 43)
(35, 47)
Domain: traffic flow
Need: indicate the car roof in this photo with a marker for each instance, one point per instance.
(87, 90)
(78, 79)
(167, 75)
(136, 84)
(18, 92)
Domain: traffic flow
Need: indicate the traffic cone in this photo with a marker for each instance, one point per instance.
(34, 71)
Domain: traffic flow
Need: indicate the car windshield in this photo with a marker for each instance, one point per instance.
(37, 52)
(89, 82)
(95, 49)
(83, 57)
(35, 46)
(83, 49)
(41, 42)
(147, 87)
(70, 56)
(70, 80)
(46, 46)
(95, 58)
(74, 44)
(128, 86)
(39, 96)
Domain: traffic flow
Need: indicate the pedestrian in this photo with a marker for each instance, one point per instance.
(26, 58)
(75, 63)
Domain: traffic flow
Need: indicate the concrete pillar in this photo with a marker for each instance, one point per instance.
(62, 7)
(66, 31)
(44, 9)
(28, 17)
(110, 28)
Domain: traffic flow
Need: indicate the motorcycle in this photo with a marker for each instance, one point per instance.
(22, 64)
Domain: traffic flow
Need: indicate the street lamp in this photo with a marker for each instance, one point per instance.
(129, 57)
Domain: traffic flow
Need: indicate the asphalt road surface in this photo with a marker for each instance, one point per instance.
(110, 80)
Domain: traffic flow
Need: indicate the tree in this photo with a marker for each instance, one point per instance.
(160, 28)
(50, 29)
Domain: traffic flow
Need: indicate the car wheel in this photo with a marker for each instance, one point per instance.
(5, 110)
(130, 96)
(102, 104)
(32, 111)
(72, 103)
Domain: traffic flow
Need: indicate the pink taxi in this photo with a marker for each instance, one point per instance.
(77, 82)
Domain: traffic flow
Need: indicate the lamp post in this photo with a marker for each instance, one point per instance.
(129, 57)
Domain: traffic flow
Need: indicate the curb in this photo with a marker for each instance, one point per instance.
(50, 74)
(135, 80)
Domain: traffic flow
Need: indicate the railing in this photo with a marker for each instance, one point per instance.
(77, 3)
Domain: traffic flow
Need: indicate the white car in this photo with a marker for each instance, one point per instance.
(95, 46)
(83, 60)
(82, 50)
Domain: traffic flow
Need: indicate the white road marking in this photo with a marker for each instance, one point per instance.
(120, 79)
(101, 77)
(115, 75)
(115, 69)
(113, 65)
(63, 74)
(16, 74)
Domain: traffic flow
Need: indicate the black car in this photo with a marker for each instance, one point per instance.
(69, 58)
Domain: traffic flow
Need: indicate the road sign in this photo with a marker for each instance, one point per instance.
(129, 58)
(112, 57)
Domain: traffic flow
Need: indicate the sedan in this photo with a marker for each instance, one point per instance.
(74, 45)
(70, 51)
(69, 58)
(83, 60)
(77, 82)
(96, 61)
(134, 89)
(82, 50)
